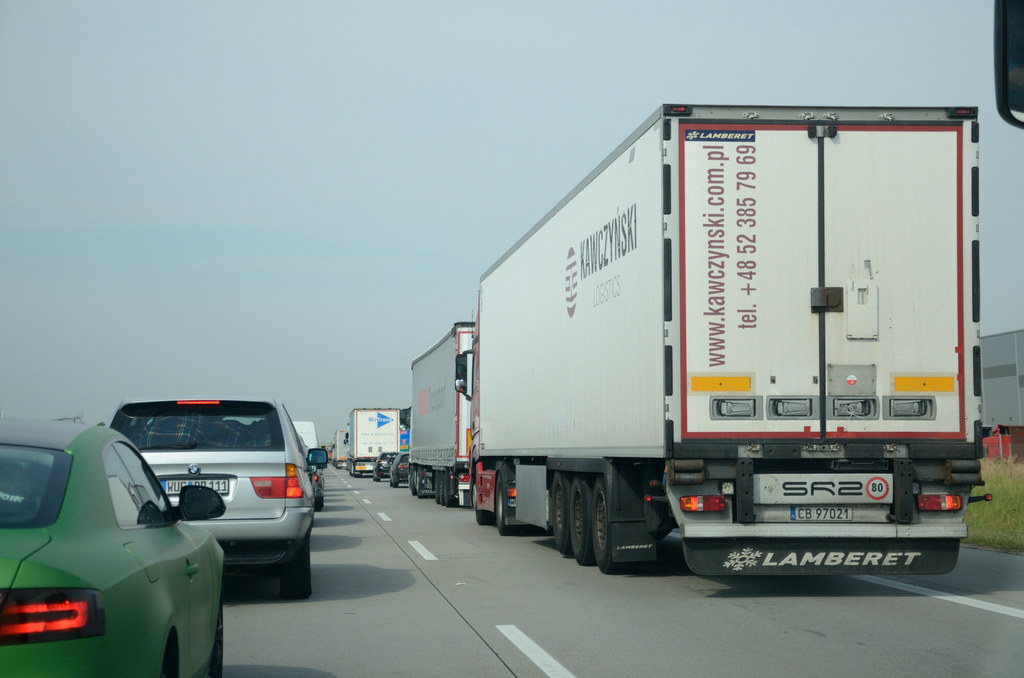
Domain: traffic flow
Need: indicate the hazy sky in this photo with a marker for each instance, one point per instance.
(296, 199)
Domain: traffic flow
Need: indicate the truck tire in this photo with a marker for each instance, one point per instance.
(482, 517)
(412, 480)
(561, 488)
(438, 491)
(451, 488)
(500, 510)
(602, 531)
(581, 506)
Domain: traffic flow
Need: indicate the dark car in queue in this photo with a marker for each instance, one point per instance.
(99, 575)
(316, 473)
(382, 465)
(399, 472)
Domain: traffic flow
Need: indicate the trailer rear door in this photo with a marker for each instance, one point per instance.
(825, 282)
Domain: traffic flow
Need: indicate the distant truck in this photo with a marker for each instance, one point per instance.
(339, 459)
(758, 325)
(439, 440)
(307, 431)
(370, 432)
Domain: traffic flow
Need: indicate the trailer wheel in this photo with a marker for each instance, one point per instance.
(412, 480)
(602, 532)
(560, 492)
(581, 506)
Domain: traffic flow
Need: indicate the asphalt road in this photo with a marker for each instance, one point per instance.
(403, 587)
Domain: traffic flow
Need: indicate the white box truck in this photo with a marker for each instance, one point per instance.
(758, 325)
(338, 453)
(371, 431)
(439, 435)
(307, 431)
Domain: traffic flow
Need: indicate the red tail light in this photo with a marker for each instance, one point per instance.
(276, 487)
(40, 615)
(703, 503)
(939, 502)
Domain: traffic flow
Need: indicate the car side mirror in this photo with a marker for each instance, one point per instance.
(196, 502)
(317, 456)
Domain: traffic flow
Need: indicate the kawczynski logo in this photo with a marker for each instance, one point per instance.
(571, 280)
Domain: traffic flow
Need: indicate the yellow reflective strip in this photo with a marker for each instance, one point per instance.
(720, 383)
(925, 384)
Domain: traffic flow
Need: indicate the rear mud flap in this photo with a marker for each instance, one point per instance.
(632, 542)
(821, 556)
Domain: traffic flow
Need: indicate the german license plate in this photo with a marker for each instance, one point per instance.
(820, 514)
(218, 484)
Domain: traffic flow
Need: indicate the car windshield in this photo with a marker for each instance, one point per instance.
(32, 484)
(184, 425)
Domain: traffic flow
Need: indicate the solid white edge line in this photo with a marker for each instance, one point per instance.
(427, 555)
(960, 600)
(535, 653)
(385, 517)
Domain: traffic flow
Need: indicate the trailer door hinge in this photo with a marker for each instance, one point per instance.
(821, 131)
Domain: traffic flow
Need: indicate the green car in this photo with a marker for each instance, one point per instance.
(99, 575)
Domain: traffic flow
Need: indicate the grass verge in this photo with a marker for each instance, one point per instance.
(998, 524)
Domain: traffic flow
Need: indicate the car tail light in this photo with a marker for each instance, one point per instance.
(702, 503)
(939, 502)
(41, 615)
(278, 487)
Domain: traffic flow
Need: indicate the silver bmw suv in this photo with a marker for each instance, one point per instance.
(249, 452)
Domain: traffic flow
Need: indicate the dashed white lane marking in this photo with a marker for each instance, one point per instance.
(427, 555)
(959, 600)
(384, 517)
(535, 653)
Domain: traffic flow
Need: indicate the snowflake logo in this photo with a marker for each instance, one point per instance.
(692, 134)
(743, 559)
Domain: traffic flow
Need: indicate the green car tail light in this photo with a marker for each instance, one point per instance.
(43, 615)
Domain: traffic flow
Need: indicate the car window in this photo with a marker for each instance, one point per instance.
(219, 424)
(134, 491)
(32, 484)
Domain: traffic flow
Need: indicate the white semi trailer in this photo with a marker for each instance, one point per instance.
(439, 436)
(758, 325)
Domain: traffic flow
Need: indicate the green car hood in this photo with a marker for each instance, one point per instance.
(15, 547)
